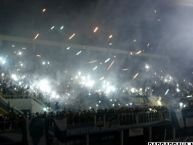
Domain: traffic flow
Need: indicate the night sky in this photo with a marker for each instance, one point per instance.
(166, 25)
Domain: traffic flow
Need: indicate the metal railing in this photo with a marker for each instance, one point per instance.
(116, 119)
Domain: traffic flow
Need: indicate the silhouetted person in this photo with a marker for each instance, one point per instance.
(36, 128)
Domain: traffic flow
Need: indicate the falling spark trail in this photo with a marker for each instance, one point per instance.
(125, 69)
(44, 10)
(107, 60)
(72, 36)
(138, 52)
(167, 91)
(135, 76)
(95, 29)
(95, 68)
(68, 48)
(92, 61)
(110, 65)
(62, 27)
(102, 78)
(37, 35)
(52, 27)
(110, 36)
(79, 52)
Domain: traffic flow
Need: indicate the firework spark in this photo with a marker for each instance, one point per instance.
(110, 65)
(107, 60)
(36, 36)
(71, 36)
(92, 61)
(95, 29)
(110, 36)
(135, 76)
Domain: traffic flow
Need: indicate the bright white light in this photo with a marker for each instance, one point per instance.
(138, 52)
(2, 60)
(62, 27)
(45, 109)
(135, 76)
(43, 62)
(110, 43)
(147, 67)
(92, 61)
(44, 10)
(54, 95)
(79, 73)
(102, 78)
(95, 29)
(68, 48)
(94, 68)
(38, 55)
(167, 91)
(110, 65)
(189, 96)
(52, 27)
(133, 90)
(125, 69)
(14, 77)
(110, 36)
(178, 90)
(71, 36)
(20, 83)
(85, 80)
(168, 79)
(89, 83)
(2, 74)
(36, 36)
(159, 102)
(181, 104)
(107, 60)
(23, 76)
(44, 85)
(19, 53)
(79, 52)
(108, 88)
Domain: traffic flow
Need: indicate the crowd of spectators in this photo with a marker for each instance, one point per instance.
(12, 89)
(92, 118)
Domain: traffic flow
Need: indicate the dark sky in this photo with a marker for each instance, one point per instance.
(165, 24)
